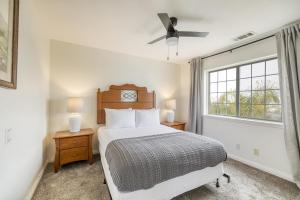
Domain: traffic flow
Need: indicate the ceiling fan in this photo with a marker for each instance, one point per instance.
(173, 35)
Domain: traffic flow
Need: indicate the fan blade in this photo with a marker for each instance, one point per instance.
(157, 39)
(165, 19)
(192, 34)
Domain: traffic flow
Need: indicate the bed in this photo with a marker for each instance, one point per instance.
(133, 97)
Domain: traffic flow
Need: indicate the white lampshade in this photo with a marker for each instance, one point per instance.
(75, 104)
(171, 104)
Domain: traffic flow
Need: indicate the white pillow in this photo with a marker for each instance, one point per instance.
(119, 118)
(147, 118)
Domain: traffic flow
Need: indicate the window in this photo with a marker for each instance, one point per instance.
(246, 91)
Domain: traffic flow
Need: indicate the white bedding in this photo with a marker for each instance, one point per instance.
(162, 191)
(106, 135)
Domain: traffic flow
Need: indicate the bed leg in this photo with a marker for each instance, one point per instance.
(217, 183)
(227, 176)
(104, 181)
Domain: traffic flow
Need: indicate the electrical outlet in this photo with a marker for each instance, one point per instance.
(237, 146)
(7, 135)
(256, 152)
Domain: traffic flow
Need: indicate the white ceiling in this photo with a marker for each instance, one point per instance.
(127, 25)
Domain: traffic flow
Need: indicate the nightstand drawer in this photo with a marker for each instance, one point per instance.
(179, 127)
(68, 143)
(75, 154)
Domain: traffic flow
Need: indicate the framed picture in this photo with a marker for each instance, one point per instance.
(9, 22)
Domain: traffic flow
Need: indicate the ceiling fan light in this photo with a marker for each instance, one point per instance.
(172, 41)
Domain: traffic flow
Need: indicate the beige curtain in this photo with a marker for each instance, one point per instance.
(288, 47)
(195, 106)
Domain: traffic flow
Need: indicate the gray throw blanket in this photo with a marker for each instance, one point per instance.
(142, 162)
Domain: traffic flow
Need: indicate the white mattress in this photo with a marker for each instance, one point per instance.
(162, 191)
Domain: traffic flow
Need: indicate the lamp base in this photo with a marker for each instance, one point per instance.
(170, 116)
(74, 124)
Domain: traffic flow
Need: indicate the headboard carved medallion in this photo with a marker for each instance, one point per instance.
(122, 97)
(128, 95)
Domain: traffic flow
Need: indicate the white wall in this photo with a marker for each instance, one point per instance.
(183, 105)
(268, 138)
(247, 53)
(24, 110)
(78, 71)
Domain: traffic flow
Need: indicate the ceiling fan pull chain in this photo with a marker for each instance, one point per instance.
(168, 58)
(177, 49)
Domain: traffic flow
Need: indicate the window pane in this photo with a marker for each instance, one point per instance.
(258, 83)
(245, 84)
(231, 86)
(272, 82)
(213, 98)
(245, 110)
(245, 97)
(258, 97)
(272, 97)
(258, 69)
(213, 109)
(258, 111)
(231, 109)
(231, 74)
(213, 77)
(213, 87)
(222, 109)
(272, 67)
(259, 91)
(273, 112)
(222, 75)
(221, 97)
(231, 96)
(221, 86)
(245, 71)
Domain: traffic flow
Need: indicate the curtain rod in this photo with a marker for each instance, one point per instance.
(237, 47)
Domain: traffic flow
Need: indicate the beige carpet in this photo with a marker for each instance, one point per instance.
(81, 181)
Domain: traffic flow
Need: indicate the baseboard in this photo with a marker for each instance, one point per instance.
(264, 168)
(36, 182)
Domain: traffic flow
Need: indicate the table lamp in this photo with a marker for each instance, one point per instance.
(75, 105)
(171, 106)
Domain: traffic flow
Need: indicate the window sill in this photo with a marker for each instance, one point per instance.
(247, 121)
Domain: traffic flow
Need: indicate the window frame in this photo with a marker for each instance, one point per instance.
(237, 96)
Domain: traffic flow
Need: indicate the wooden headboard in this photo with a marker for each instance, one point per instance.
(122, 97)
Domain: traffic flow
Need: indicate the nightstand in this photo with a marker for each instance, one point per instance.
(177, 125)
(71, 147)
